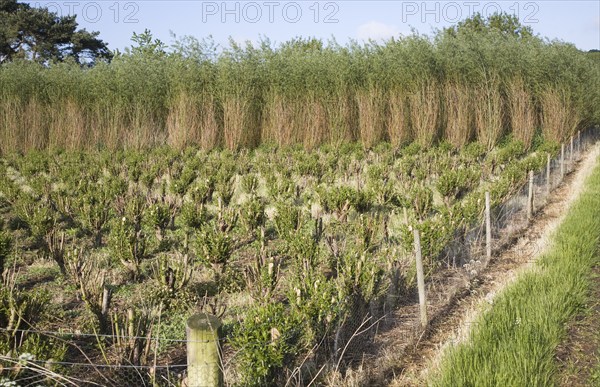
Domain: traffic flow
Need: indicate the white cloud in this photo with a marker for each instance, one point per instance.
(377, 31)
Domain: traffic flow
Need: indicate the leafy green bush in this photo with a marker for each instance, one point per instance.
(127, 244)
(340, 200)
(420, 199)
(288, 220)
(193, 215)
(5, 249)
(454, 183)
(252, 215)
(266, 341)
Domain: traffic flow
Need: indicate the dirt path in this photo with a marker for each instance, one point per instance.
(578, 354)
(503, 269)
(407, 354)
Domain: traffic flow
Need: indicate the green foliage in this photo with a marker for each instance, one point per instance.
(435, 234)
(513, 150)
(474, 151)
(454, 183)
(250, 183)
(314, 300)
(252, 215)
(201, 191)
(43, 36)
(39, 219)
(5, 249)
(127, 243)
(193, 215)
(288, 220)
(359, 276)
(158, 215)
(263, 276)
(214, 247)
(340, 200)
(93, 209)
(266, 340)
(420, 199)
(20, 310)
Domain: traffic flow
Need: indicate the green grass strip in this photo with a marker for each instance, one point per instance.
(513, 344)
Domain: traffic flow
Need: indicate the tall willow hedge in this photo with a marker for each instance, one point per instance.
(462, 84)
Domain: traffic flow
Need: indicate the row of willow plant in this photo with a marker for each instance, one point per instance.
(479, 80)
(320, 232)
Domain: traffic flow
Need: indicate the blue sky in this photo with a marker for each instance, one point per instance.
(572, 21)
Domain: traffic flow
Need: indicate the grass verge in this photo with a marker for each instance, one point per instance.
(514, 342)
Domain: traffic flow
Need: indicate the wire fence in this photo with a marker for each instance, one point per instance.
(356, 338)
(368, 328)
(91, 364)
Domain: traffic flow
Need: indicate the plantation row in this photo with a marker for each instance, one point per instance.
(325, 233)
(479, 80)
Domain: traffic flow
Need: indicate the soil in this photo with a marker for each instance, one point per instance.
(406, 353)
(579, 353)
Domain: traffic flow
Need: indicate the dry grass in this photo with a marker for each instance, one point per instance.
(398, 124)
(559, 118)
(371, 116)
(192, 121)
(522, 111)
(315, 128)
(145, 128)
(24, 126)
(11, 114)
(275, 119)
(211, 134)
(67, 126)
(34, 122)
(241, 126)
(458, 106)
(108, 125)
(287, 121)
(489, 113)
(342, 120)
(184, 122)
(452, 111)
(425, 113)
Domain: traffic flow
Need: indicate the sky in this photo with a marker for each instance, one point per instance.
(577, 22)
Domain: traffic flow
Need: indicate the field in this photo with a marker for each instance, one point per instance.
(131, 243)
(276, 187)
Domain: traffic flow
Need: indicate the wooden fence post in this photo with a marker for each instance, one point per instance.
(530, 197)
(562, 161)
(571, 157)
(106, 293)
(488, 227)
(548, 175)
(420, 279)
(203, 353)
